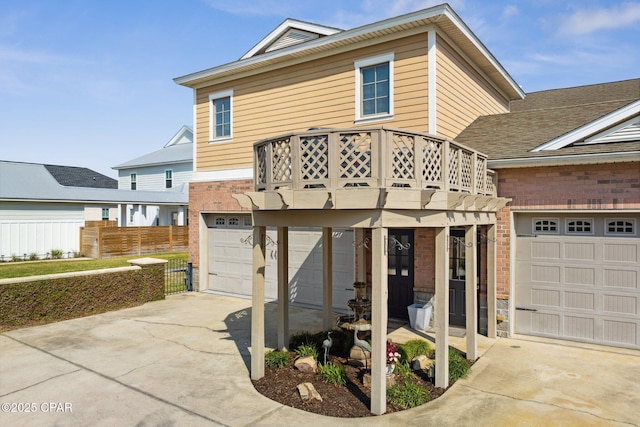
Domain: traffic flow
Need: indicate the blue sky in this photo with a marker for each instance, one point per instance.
(89, 82)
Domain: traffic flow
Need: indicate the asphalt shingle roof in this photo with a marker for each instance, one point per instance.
(544, 116)
(72, 176)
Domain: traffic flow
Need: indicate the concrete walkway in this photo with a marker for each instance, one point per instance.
(184, 362)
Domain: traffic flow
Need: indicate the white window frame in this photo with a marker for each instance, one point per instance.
(133, 181)
(167, 180)
(368, 62)
(212, 114)
(535, 220)
(583, 233)
(634, 230)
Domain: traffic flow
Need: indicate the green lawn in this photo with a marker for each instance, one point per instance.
(37, 268)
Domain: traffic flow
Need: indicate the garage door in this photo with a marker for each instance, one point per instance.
(577, 278)
(230, 261)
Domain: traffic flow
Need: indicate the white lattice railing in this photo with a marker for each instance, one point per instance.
(379, 157)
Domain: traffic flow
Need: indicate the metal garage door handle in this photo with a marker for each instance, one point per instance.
(526, 309)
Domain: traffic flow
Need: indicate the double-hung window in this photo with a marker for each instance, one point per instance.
(134, 181)
(374, 88)
(220, 116)
(105, 214)
(168, 178)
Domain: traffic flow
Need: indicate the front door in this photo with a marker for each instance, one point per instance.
(400, 272)
(457, 275)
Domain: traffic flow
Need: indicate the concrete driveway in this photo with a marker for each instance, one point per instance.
(184, 362)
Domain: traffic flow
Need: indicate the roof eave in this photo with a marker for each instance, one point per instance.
(564, 160)
(370, 31)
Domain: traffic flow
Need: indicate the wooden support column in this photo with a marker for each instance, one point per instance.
(327, 278)
(283, 288)
(257, 303)
(471, 290)
(491, 281)
(442, 307)
(379, 290)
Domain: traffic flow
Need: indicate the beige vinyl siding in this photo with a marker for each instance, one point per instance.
(463, 94)
(320, 93)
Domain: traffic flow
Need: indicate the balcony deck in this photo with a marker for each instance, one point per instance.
(370, 168)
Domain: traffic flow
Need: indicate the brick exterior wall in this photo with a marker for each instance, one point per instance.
(214, 196)
(583, 187)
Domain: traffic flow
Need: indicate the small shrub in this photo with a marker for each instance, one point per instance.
(56, 253)
(15, 258)
(414, 348)
(458, 366)
(403, 370)
(407, 395)
(302, 338)
(77, 254)
(33, 256)
(306, 350)
(276, 359)
(333, 374)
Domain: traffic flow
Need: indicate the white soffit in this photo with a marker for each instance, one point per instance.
(595, 127)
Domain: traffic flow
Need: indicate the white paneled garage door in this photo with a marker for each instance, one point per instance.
(577, 278)
(230, 261)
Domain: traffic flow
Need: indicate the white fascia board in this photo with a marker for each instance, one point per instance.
(482, 48)
(182, 132)
(575, 159)
(590, 128)
(286, 25)
(223, 175)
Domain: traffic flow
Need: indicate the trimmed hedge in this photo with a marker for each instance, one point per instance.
(43, 301)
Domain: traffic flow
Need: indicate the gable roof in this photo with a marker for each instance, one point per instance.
(33, 182)
(288, 33)
(72, 176)
(553, 124)
(441, 17)
(178, 150)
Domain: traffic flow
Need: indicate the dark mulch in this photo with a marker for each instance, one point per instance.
(350, 401)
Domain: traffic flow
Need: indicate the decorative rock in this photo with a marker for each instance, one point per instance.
(421, 362)
(306, 364)
(366, 380)
(357, 354)
(308, 392)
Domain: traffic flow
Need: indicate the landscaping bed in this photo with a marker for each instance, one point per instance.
(351, 396)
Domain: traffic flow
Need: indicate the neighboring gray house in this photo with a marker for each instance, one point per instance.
(42, 207)
(168, 169)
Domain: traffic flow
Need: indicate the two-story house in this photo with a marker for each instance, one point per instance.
(168, 169)
(367, 154)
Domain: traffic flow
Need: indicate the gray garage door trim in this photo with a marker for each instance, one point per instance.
(230, 262)
(577, 280)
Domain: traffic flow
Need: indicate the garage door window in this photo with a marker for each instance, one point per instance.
(622, 226)
(579, 226)
(545, 225)
(233, 221)
(221, 220)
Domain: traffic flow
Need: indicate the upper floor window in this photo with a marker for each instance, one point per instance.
(545, 225)
(168, 178)
(374, 88)
(105, 214)
(220, 116)
(134, 181)
(620, 226)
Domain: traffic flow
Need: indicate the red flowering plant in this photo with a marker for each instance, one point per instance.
(392, 354)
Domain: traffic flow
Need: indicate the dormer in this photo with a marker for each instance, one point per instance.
(290, 32)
